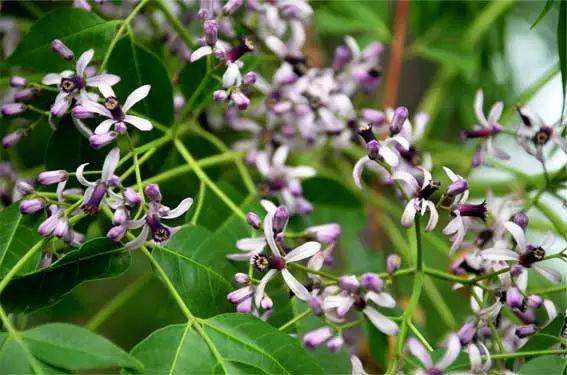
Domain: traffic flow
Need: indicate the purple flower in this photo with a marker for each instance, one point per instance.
(117, 114)
(314, 338)
(62, 50)
(13, 109)
(535, 134)
(31, 206)
(393, 263)
(98, 141)
(17, 81)
(12, 139)
(420, 202)
(57, 224)
(326, 234)
(52, 177)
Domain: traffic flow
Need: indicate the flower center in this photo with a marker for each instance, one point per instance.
(532, 255)
(111, 103)
(260, 262)
(428, 190)
(72, 84)
(543, 135)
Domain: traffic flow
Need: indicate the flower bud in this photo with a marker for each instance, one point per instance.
(12, 139)
(373, 116)
(304, 207)
(245, 307)
(266, 303)
(466, 333)
(514, 298)
(31, 206)
(59, 108)
(211, 32)
(457, 187)
(326, 234)
(220, 96)
(240, 100)
(516, 270)
(131, 197)
(116, 233)
(341, 57)
(534, 301)
(373, 149)
(249, 78)
(153, 193)
(231, 6)
(315, 304)
(521, 219)
(280, 219)
(335, 344)
(349, 283)
(24, 187)
(372, 281)
(52, 177)
(81, 112)
(12, 109)
(241, 278)
(17, 81)
(526, 331)
(253, 220)
(400, 116)
(294, 187)
(46, 260)
(98, 141)
(313, 339)
(62, 50)
(26, 94)
(120, 216)
(393, 263)
(239, 295)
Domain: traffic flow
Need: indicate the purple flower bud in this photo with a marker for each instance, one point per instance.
(335, 344)
(120, 216)
(24, 187)
(393, 263)
(253, 220)
(46, 260)
(245, 307)
(400, 116)
(241, 278)
(516, 270)
(527, 317)
(457, 187)
(31, 206)
(211, 32)
(62, 229)
(373, 116)
(205, 9)
(240, 100)
(473, 210)
(249, 78)
(17, 81)
(316, 305)
(116, 233)
(304, 207)
(514, 298)
(280, 108)
(12, 109)
(521, 219)
(534, 301)
(478, 158)
(239, 295)
(178, 102)
(25, 94)
(131, 197)
(485, 332)
(120, 127)
(466, 333)
(52, 177)
(153, 193)
(313, 339)
(349, 283)
(372, 281)
(373, 50)
(231, 6)
(341, 58)
(280, 219)
(237, 52)
(81, 112)
(525, 331)
(294, 187)
(266, 303)
(373, 149)
(59, 108)
(326, 234)
(98, 141)
(220, 95)
(12, 139)
(62, 50)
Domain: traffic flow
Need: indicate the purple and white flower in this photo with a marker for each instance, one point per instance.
(419, 351)
(419, 201)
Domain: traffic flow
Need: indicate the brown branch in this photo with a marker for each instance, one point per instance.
(393, 74)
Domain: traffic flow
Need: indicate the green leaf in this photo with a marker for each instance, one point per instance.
(544, 365)
(137, 66)
(562, 49)
(13, 358)
(17, 236)
(230, 344)
(75, 348)
(78, 29)
(543, 13)
(195, 261)
(96, 259)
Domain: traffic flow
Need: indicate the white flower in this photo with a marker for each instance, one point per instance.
(419, 203)
(420, 352)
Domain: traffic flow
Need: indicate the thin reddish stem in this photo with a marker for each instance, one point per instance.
(393, 74)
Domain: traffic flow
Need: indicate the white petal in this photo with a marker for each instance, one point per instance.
(183, 207)
(550, 309)
(262, 286)
(548, 240)
(135, 224)
(549, 273)
(110, 164)
(106, 91)
(518, 233)
(255, 245)
(433, 216)
(295, 286)
(452, 176)
(522, 280)
(276, 45)
(200, 52)
(453, 350)
(51, 79)
(407, 178)
(79, 175)
(138, 241)
(302, 172)
(138, 122)
(241, 257)
(499, 254)
(268, 205)
(263, 164)
(381, 322)
(474, 358)
(84, 61)
(495, 113)
(390, 157)
(478, 103)
(356, 366)
(269, 233)
(231, 76)
(136, 95)
(401, 141)
(102, 80)
(358, 169)
(409, 214)
(104, 127)
(304, 251)
(95, 107)
(280, 156)
(381, 299)
(419, 351)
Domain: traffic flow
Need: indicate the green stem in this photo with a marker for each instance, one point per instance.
(294, 320)
(138, 174)
(200, 200)
(528, 353)
(20, 264)
(203, 177)
(553, 289)
(420, 336)
(142, 160)
(315, 272)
